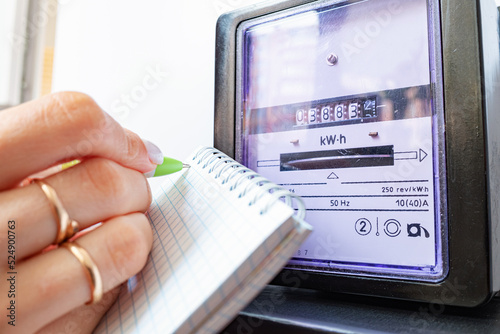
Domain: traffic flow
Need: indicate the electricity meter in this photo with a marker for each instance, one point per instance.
(377, 113)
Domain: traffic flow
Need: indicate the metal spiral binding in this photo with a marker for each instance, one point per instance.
(230, 163)
(244, 174)
(245, 177)
(256, 181)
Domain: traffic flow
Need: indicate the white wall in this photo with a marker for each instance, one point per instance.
(109, 49)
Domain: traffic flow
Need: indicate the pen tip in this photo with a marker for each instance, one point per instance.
(185, 165)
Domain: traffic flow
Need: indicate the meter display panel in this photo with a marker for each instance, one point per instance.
(338, 103)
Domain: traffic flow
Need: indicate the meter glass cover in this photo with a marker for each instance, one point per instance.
(340, 103)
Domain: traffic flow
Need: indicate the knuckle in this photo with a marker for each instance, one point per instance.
(107, 178)
(77, 109)
(69, 98)
(134, 146)
(129, 248)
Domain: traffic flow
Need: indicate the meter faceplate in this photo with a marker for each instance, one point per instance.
(337, 106)
(468, 34)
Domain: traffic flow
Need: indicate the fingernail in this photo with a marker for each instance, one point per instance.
(150, 174)
(154, 152)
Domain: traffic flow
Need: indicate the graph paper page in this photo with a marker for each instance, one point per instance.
(206, 242)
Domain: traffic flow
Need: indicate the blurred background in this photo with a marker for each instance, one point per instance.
(150, 64)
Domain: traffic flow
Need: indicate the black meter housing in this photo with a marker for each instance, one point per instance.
(384, 116)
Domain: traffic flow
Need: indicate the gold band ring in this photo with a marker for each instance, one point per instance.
(67, 227)
(91, 271)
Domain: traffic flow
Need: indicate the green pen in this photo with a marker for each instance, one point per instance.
(168, 166)
(164, 165)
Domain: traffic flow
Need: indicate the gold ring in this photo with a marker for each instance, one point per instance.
(67, 227)
(91, 271)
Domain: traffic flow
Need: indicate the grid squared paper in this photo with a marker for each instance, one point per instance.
(207, 243)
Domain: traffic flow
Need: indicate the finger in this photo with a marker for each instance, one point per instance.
(119, 248)
(92, 191)
(83, 319)
(61, 127)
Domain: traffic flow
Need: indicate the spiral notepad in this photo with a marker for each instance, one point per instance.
(221, 232)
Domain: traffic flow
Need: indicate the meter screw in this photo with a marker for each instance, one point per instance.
(332, 59)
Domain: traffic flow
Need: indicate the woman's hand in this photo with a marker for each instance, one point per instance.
(49, 288)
